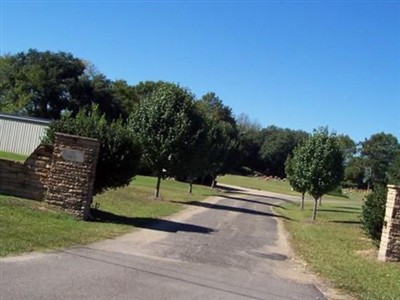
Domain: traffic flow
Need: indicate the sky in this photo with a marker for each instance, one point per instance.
(293, 64)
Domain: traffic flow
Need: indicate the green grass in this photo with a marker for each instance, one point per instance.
(276, 186)
(27, 225)
(12, 156)
(334, 246)
(272, 185)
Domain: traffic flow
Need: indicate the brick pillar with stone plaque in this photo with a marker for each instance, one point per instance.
(389, 249)
(72, 174)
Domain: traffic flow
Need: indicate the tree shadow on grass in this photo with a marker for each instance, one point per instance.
(339, 211)
(346, 222)
(349, 208)
(234, 209)
(148, 223)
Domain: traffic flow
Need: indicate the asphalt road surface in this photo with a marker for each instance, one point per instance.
(228, 247)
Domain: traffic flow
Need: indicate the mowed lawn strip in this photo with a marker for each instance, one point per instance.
(27, 225)
(13, 156)
(334, 246)
(258, 183)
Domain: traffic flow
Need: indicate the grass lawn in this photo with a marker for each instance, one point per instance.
(334, 246)
(276, 186)
(272, 185)
(27, 225)
(12, 156)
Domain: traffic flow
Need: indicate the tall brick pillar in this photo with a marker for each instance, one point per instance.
(389, 249)
(72, 174)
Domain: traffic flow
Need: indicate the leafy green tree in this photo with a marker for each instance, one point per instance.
(46, 84)
(382, 155)
(192, 161)
(379, 151)
(347, 146)
(321, 162)
(126, 97)
(163, 124)
(250, 141)
(355, 173)
(394, 170)
(119, 153)
(37, 83)
(295, 174)
(102, 91)
(145, 88)
(222, 136)
(278, 144)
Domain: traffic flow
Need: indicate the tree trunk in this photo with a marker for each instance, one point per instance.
(213, 182)
(314, 215)
(190, 186)
(302, 201)
(320, 201)
(157, 191)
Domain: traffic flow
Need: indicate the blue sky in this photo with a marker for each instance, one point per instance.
(294, 64)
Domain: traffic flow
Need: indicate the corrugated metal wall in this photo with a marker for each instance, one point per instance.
(21, 135)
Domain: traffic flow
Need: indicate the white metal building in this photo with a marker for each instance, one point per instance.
(21, 134)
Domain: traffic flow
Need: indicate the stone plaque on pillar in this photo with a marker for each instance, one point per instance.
(73, 155)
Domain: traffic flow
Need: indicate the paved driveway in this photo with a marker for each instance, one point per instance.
(228, 247)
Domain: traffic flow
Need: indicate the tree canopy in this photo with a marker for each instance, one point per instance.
(295, 173)
(321, 162)
(222, 136)
(164, 125)
(277, 145)
(39, 84)
(45, 84)
(379, 151)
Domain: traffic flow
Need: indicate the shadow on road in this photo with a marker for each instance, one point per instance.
(252, 201)
(231, 190)
(266, 197)
(234, 209)
(148, 223)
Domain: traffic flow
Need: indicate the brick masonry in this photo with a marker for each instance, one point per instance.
(72, 174)
(27, 179)
(62, 174)
(389, 249)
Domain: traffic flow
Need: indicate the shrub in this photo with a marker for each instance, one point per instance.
(119, 154)
(373, 213)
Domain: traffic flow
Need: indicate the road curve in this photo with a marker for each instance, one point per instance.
(227, 247)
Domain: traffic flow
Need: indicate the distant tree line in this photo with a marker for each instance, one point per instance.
(173, 132)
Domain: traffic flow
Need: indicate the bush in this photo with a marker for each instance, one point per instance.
(119, 154)
(373, 213)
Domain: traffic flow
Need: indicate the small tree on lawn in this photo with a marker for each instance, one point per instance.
(295, 175)
(192, 161)
(321, 162)
(163, 124)
(221, 144)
